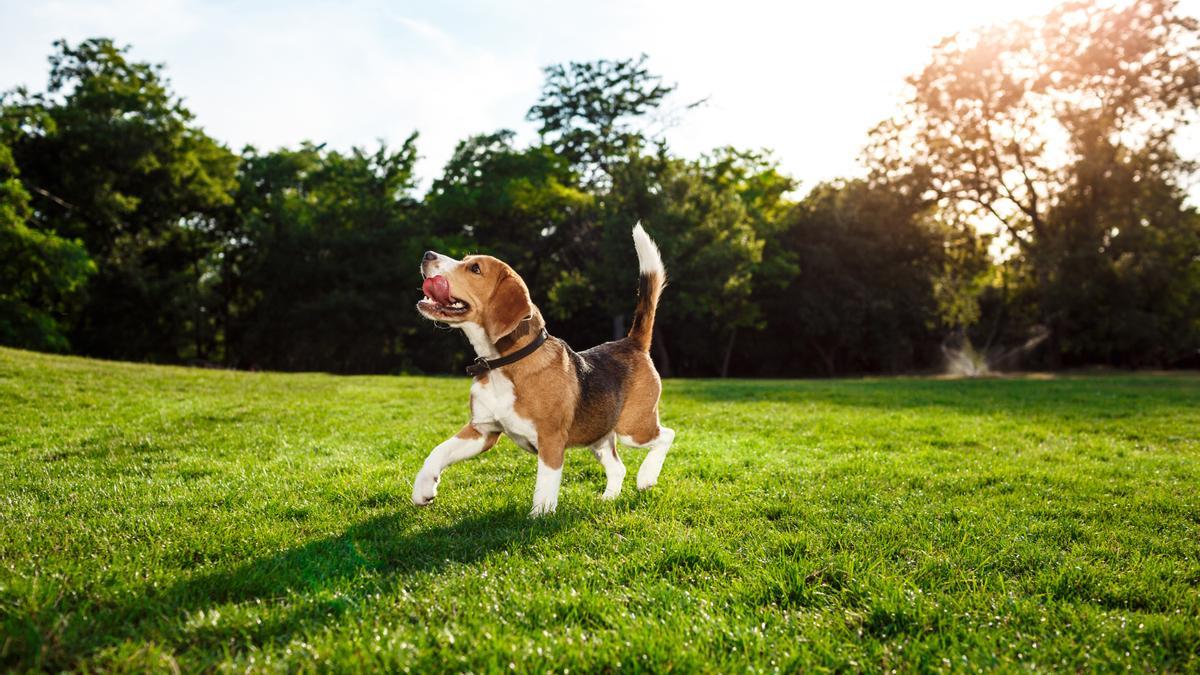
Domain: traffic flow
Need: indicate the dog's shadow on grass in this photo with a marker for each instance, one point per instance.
(386, 545)
(305, 586)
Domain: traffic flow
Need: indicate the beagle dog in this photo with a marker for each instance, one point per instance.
(535, 388)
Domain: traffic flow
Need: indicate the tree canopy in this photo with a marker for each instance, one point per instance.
(1061, 131)
(1027, 197)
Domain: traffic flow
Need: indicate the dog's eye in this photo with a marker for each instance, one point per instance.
(475, 268)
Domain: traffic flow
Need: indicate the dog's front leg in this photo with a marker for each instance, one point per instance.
(467, 443)
(549, 477)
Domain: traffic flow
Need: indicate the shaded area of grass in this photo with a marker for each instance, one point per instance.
(157, 516)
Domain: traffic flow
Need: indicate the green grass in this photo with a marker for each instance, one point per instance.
(157, 517)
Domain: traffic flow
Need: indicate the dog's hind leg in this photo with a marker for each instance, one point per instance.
(659, 444)
(605, 451)
(638, 425)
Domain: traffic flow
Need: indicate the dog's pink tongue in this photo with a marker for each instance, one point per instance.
(438, 289)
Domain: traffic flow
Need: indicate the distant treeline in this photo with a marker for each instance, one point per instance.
(127, 232)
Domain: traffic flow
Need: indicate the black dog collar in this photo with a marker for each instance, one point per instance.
(483, 365)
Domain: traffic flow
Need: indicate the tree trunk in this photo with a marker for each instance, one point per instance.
(1054, 345)
(225, 311)
(618, 325)
(197, 309)
(827, 357)
(1050, 315)
(728, 354)
(660, 350)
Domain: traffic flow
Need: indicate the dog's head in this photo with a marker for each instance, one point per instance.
(478, 289)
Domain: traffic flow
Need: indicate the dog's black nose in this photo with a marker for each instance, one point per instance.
(430, 255)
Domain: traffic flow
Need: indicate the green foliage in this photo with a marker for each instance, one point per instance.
(1125, 287)
(1109, 87)
(112, 158)
(587, 110)
(701, 219)
(264, 523)
(521, 205)
(40, 273)
(132, 234)
(861, 297)
(320, 261)
(965, 274)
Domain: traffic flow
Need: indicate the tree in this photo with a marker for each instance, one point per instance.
(859, 297)
(1126, 291)
(521, 205)
(764, 193)
(1042, 127)
(698, 213)
(40, 273)
(319, 268)
(112, 158)
(586, 112)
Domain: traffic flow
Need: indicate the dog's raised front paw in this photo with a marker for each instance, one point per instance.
(424, 489)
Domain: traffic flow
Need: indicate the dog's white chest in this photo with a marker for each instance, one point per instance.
(492, 405)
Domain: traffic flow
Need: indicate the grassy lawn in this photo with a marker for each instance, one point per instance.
(157, 517)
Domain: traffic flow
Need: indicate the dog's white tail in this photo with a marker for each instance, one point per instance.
(652, 278)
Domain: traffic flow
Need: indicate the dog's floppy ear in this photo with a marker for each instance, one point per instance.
(509, 306)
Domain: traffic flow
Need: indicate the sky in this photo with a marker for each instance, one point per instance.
(806, 80)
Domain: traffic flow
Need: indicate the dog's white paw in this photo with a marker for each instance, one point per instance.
(544, 508)
(424, 488)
